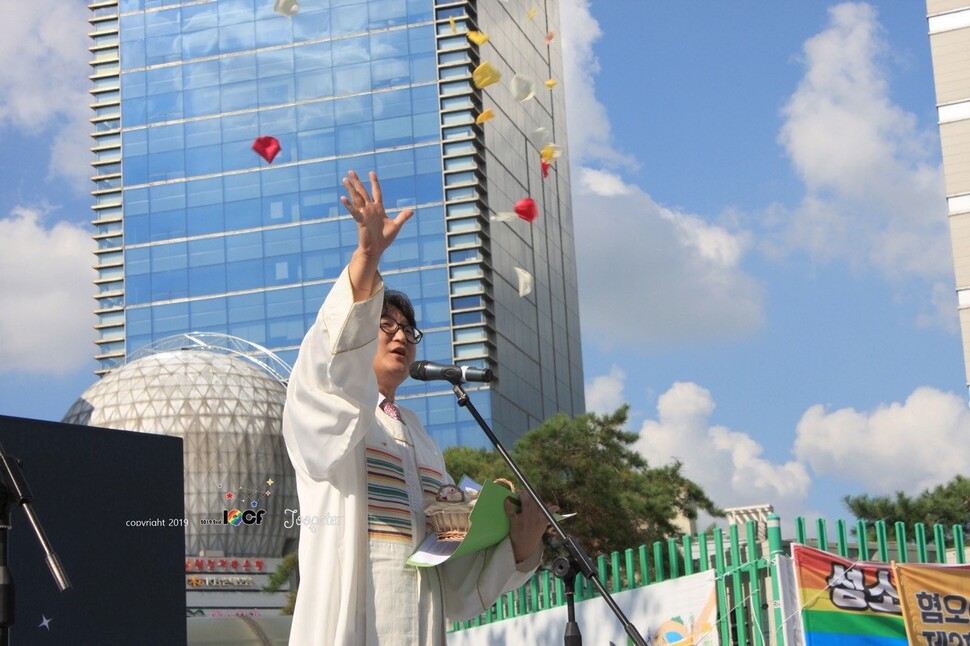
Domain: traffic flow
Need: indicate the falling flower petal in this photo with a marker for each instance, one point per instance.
(545, 168)
(525, 281)
(532, 13)
(541, 137)
(550, 37)
(267, 148)
(485, 74)
(477, 37)
(550, 152)
(502, 216)
(486, 114)
(523, 88)
(526, 209)
(454, 27)
(286, 7)
(551, 83)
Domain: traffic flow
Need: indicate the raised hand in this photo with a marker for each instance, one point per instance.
(375, 231)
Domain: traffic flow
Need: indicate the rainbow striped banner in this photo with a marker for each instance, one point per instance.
(846, 602)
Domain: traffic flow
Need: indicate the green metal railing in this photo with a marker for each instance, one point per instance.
(749, 612)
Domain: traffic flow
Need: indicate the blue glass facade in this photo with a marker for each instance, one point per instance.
(198, 233)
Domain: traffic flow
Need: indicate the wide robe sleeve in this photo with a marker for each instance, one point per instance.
(472, 583)
(332, 390)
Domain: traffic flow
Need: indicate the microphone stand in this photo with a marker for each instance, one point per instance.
(14, 490)
(577, 561)
(565, 568)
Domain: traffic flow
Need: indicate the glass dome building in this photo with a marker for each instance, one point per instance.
(224, 397)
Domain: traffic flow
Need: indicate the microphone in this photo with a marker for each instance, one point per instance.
(431, 371)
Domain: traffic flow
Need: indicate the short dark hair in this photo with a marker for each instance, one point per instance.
(400, 300)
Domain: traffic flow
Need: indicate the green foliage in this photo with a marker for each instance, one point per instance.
(289, 566)
(586, 465)
(478, 464)
(947, 504)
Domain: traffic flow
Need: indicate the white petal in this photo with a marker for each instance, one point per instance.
(286, 7)
(541, 137)
(523, 87)
(525, 281)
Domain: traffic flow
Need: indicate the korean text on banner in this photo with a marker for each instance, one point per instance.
(936, 602)
(845, 601)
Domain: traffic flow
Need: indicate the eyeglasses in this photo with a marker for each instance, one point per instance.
(411, 333)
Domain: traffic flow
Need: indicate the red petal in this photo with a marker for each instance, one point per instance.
(526, 209)
(545, 168)
(267, 148)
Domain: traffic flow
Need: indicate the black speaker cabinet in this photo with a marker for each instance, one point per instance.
(112, 505)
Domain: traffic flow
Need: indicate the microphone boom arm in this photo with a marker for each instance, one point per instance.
(576, 552)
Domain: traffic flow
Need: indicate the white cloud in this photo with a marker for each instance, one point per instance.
(43, 79)
(909, 447)
(604, 394)
(875, 193)
(652, 277)
(727, 464)
(897, 447)
(649, 276)
(590, 134)
(602, 183)
(71, 153)
(941, 310)
(46, 293)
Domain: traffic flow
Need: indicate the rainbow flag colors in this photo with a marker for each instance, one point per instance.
(846, 602)
(936, 602)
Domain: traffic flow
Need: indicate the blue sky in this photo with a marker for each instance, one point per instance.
(763, 253)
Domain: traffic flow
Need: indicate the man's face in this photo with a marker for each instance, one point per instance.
(394, 356)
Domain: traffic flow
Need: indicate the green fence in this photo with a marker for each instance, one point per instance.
(749, 612)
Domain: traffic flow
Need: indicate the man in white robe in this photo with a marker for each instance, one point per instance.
(368, 467)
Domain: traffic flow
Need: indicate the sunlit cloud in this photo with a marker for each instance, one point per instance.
(46, 305)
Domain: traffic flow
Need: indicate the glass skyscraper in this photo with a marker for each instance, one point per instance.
(196, 232)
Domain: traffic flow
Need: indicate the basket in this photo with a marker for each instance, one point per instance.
(450, 513)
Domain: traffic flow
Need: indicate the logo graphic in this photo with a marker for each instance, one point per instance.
(247, 517)
(247, 499)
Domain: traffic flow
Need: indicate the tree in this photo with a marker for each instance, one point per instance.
(285, 571)
(947, 504)
(586, 465)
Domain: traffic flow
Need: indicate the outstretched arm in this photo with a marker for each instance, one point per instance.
(375, 231)
(332, 390)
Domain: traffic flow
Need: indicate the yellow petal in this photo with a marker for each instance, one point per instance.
(486, 114)
(454, 27)
(551, 83)
(478, 37)
(532, 13)
(485, 74)
(550, 152)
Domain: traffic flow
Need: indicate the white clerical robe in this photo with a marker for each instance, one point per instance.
(369, 477)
